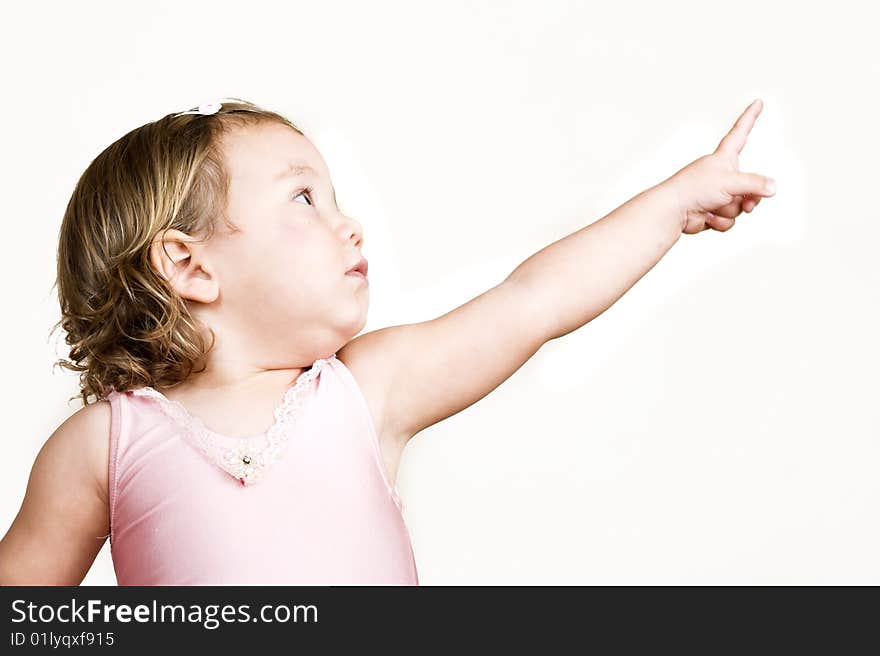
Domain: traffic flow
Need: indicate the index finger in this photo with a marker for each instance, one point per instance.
(735, 140)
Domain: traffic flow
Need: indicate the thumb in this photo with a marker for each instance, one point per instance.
(741, 184)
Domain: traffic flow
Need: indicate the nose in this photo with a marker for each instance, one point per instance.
(352, 228)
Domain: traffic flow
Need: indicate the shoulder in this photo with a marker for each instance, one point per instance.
(79, 448)
(64, 516)
(369, 358)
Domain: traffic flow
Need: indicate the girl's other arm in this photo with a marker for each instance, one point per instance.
(64, 518)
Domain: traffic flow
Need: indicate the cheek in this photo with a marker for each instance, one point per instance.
(289, 230)
(305, 253)
(289, 241)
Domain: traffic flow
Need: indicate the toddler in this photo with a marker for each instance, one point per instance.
(234, 429)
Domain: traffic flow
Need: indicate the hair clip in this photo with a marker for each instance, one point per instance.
(206, 109)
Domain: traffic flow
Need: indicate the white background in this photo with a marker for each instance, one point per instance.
(718, 424)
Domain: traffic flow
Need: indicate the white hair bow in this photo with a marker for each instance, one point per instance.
(206, 108)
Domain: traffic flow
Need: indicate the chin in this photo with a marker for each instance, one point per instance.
(356, 323)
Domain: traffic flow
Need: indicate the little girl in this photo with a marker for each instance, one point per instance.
(208, 282)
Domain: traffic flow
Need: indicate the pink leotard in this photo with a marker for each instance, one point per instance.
(322, 513)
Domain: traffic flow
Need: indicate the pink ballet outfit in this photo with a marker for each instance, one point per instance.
(318, 510)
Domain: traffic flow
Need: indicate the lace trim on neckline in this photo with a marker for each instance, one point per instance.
(244, 458)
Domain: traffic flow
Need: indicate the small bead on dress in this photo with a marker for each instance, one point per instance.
(246, 460)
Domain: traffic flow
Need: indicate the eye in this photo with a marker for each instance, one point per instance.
(308, 194)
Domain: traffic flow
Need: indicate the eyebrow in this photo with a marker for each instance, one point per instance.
(295, 169)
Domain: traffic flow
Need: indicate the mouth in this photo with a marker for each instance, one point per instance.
(359, 269)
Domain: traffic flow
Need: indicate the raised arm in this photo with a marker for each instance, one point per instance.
(434, 369)
(63, 521)
(431, 370)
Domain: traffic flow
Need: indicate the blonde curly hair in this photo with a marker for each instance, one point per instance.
(125, 325)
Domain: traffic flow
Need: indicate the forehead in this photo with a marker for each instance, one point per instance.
(258, 154)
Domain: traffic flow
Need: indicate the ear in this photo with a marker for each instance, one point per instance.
(183, 263)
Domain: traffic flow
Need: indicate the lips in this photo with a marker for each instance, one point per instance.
(359, 269)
